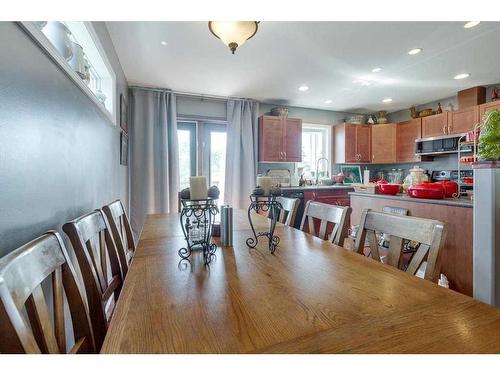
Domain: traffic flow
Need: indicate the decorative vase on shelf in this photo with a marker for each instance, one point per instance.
(381, 119)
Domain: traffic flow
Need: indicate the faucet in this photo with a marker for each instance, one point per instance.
(317, 165)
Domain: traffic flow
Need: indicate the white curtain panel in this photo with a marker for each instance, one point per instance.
(154, 164)
(241, 152)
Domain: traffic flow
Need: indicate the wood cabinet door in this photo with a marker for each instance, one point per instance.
(406, 134)
(292, 145)
(363, 143)
(383, 143)
(483, 108)
(350, 143)
(270, 138)
(436, 125)
(464, 120)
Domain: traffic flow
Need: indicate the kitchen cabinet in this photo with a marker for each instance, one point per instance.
(483, 108)
(352, 143)
(464, 120)
(406, 134)
(383, 146)
(436, 125)
(280, 139)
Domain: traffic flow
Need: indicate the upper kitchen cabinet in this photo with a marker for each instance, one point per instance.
(464, 120)
(483, 108)
(436, 125)
(406, 134)
(383, 143)
(352, 143)
(280, 139)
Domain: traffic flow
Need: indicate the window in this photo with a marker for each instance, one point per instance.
(315, 144)
(75, 47)
(207, 140)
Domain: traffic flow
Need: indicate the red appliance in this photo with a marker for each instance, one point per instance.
(450, 188)
(427, 190)
(389, 189)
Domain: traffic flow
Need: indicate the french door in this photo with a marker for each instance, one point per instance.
(202, 151)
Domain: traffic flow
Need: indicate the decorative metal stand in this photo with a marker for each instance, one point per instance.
(265, 204)
(197, 219)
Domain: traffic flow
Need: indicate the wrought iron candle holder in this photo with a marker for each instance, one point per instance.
(197, 219)
(273, 207)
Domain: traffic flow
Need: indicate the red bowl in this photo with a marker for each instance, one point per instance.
(389, 189)
(427, 190)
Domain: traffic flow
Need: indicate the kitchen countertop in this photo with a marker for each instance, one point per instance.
(461, 202)
(316, 187)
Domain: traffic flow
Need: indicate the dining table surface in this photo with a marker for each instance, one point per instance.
(310, 296)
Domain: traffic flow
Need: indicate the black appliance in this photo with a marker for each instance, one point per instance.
(439, 145)
(300, 209)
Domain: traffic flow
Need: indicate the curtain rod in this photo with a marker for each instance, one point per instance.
(189, 94)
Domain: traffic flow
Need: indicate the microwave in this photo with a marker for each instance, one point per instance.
(439, 145)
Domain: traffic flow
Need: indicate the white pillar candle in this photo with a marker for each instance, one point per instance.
(198, 187)
(265, 182)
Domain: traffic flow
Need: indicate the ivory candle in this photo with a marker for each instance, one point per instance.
(198, 187)
(265, 182)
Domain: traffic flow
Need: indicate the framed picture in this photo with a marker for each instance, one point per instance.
(123, 148)
(123, 114)
(352, 174)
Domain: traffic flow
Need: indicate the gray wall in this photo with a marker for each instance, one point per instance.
(59, 154)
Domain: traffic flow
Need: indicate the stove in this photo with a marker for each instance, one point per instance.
(452, 175)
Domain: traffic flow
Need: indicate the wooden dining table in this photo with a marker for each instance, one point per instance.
(310, 296)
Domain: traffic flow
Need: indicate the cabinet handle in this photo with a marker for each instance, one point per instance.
(284, 154)
(444, 129)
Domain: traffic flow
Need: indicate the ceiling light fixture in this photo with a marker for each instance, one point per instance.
(328, 101)
(471, 24)
(462, 76)
(233, 33)
(376, 70)
(414, 51)
(163, 43)
(387, 100)
(303, 88)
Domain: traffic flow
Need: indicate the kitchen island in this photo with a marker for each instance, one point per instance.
(455, 259)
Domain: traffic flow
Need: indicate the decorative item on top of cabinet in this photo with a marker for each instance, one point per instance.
(464, 120)
(352, 143)
(280, 139)
(383, 143)
(413, 112)
(436, 125)
(406, 134)
(494, 94)
(381, 119)
(439, 109)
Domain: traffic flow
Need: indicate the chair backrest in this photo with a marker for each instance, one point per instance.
(289, 211)
(96, 253)
(328, 216)
(429, 233)
(122, 233)
(22, 273)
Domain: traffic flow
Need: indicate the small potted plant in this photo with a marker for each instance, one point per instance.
(489, 139)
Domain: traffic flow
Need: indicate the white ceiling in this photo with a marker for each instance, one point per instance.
(332, 58)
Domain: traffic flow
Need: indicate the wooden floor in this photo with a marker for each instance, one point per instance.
(310, 297)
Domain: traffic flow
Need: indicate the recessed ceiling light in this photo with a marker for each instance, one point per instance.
(462, 76)
(362, 82)
(387, 100)
(328, 101)
(471, 24)
(376, 70)
(303, 88)
(414, 51)
(163, 43)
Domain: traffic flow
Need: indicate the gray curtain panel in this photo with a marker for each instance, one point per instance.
(154, 164)
(241, 151)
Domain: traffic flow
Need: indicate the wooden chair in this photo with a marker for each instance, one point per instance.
(122, 233)
(21, 275)
(96, 253)
(429, 233)
(289, 211)
(327, 214)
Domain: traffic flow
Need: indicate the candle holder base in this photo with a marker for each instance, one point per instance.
(265, 204)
